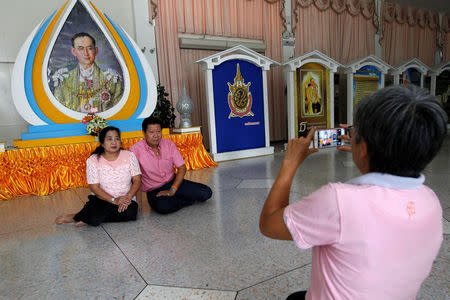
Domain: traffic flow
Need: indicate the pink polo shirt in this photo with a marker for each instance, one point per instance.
(374, 237)
(114, 177)
(156, 171)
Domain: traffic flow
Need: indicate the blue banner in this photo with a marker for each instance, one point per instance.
(238, 106)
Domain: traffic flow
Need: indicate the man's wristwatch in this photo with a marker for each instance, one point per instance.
(113, 199)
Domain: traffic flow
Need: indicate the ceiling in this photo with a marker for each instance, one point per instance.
(442, 6)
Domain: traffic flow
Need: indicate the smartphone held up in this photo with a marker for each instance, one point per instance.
(328, 138)
(323, 138)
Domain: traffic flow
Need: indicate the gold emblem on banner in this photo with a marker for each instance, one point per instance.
(239, 97)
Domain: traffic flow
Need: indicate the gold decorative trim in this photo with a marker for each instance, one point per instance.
(294, 20)
(283, 15)
(154, 7)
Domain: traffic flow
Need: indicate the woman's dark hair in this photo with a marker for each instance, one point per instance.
(101, 138)
(150, 121)
(403, 127)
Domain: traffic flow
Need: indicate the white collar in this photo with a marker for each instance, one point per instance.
(389, 181)
(86, 73)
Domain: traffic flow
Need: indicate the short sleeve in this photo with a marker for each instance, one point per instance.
(177, 158)
(135, 149)
(92, 170)
(315, 219)
(134, 165)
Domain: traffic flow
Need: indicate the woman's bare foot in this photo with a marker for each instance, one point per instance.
(65, 219)
(80, 223)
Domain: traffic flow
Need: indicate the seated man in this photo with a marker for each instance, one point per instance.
(167, 192)
(375, 236)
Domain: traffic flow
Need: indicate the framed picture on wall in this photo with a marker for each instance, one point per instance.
(312, 93)
(83, 71)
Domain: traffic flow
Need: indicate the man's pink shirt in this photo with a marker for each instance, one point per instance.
(156, 171)
(370, 240)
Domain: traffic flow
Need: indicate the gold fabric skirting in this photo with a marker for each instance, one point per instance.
(44, 170)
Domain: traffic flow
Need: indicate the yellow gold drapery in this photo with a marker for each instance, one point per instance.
(44, 170)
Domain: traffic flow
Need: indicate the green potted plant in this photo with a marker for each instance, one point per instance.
(164, 110)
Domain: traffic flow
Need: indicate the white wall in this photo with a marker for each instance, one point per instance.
(17, 19)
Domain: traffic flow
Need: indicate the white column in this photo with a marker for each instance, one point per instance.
(382, 81)
(290, 104)
(350, 98)
(433, 85)
(288, 41)
(266, 109)
(331, 79)
(210, 108)
(396, 79)
(288, 38)
(145, 34)
(421, 80)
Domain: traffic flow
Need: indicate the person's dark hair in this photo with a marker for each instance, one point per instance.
(150, 121)
(403, 126)
(81, 34)
(101, 138)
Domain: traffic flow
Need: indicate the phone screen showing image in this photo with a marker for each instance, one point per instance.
(329, 137)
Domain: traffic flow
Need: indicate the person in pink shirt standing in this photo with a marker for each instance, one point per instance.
(377, 235)
(114, 177)
(167, 192)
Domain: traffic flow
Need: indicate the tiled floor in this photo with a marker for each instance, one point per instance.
(211, 250)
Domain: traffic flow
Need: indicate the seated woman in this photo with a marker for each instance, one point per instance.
(114, 177)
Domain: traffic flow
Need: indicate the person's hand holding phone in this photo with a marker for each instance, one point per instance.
(346, 137)
(298, 149)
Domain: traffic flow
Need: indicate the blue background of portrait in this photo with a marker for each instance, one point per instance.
(232, 134)
(368, 70)
(414, 76)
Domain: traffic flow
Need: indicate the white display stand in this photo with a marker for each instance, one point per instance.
(209, 64)
(351, 68)
(435, 72)
(193, 129)
(291, 67)
(414, 63)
